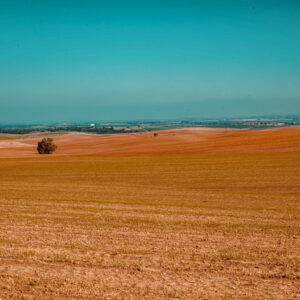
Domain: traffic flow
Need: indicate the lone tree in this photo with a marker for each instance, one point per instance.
(46, 146)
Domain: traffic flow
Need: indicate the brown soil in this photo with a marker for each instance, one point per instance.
(189, 214)
(177, 141)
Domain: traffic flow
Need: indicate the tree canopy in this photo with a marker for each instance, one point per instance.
(46, 146)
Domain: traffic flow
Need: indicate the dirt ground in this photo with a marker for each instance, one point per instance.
(175, 141)
(218, 225)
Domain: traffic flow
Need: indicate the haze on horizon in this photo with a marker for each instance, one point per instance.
(122, 60)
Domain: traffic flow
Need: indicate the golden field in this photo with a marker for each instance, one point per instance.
(174, 225)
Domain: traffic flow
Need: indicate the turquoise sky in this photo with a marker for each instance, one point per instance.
(122, 60)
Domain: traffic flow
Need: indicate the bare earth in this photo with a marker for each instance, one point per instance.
(177, 141)
(189, 214)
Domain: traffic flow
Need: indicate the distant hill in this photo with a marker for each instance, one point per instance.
(173, 141)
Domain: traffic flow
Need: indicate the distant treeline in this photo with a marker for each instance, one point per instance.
(97, 130)
(19, 130)
(148, 126)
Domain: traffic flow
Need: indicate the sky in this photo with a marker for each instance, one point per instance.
(136, 60)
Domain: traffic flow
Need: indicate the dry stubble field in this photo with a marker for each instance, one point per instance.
(205, 226)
